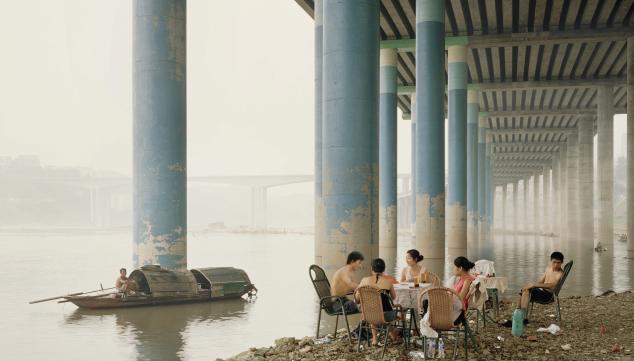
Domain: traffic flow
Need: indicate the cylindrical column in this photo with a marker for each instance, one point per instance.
(525, 204)
(413, 168)
(503, 223)
(473, 108)
(160, 133)
(320, 227)
(457, 182)
(350, 134)
(482, 124)
(555, 195)
(515, 205)
(630, 147)
(536, 205)
(546, 205)
(490, 188)
(430, 131)
(387, 154)
(605, 163)
(563, 194)
(586, 183)
(573, 187)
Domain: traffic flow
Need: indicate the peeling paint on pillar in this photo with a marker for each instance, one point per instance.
(350, 130)
(586, 184)
(430, 132)
(457, 182)
(319, 206)
(572, 207)
(160, 133)
(630, 147)
(473, 108)
(387, 155)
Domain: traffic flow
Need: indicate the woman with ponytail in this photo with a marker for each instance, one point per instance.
(461, 269)
(414, 271)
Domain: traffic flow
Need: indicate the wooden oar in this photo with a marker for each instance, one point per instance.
(68, 295)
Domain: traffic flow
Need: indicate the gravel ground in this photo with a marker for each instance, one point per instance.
(594, 328)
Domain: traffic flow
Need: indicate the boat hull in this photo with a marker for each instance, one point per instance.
(98, 303)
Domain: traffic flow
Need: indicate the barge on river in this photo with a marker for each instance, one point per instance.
(159, 286)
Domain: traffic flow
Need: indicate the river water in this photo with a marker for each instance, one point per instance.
(39, 265)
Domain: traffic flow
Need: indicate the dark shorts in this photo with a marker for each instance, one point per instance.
(541, 295)
(390, 316)
(348, 305)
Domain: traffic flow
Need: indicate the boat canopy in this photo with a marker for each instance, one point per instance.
(158, 281)
(223, 281)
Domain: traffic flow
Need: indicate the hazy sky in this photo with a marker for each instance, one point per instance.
(66, 86)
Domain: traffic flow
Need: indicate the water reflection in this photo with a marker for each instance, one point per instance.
(159, 333)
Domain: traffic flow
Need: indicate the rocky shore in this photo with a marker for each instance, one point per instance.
(593, 328)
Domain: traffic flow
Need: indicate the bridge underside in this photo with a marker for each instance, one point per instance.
(528, 85)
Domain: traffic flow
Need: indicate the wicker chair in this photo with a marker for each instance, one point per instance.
(441, 319)
(432, 278)
(555, 298)
(372, 314)
(326, 300)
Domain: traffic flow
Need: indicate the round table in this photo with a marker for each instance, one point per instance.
(407, 295)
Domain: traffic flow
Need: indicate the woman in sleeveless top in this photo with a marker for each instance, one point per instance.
(414, 271)
(379, 280)
(461, 269)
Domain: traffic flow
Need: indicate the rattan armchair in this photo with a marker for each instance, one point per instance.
(441, 317)
(372, 314)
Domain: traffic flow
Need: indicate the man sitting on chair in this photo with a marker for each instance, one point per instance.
(542, 290)
(342, 283)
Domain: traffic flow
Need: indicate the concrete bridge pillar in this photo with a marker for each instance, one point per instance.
(586, 183)
(630, 147)
(556, 204)
(546, 205)
(457, 177)
(473, 108)
(515, 206)
(160, 133)
(350, 131)
(536, 203)
(572, 207)
(259, 205)
(563, 194)
(605, 163)
(430, 132)
(319, 206)
(482, 184)
(525, 204)
(504, 200)
(414, 167)
(387, 155)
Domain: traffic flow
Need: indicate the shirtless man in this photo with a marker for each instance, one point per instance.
(123, 283)
(343, 284)
(542, 290)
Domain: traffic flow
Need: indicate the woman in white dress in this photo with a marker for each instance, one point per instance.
(414, 271)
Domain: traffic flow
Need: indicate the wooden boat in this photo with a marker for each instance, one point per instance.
(159, 286)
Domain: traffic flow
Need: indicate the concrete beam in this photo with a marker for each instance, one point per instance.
(527, 144)
(543, 112)
(520, 131)
(503, 155)
(520, 39)
(522, 162)
(533, 84)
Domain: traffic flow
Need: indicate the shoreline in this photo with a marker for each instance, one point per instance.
(592, 328)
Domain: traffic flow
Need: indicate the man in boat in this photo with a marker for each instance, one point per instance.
(343, 283)
(125, 284)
